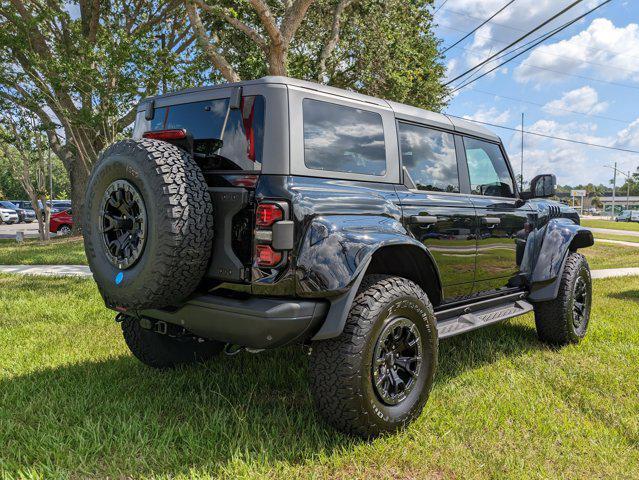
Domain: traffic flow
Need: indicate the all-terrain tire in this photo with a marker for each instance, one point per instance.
(179, 221)
(341, 369)
(163, 351)
(558, 321)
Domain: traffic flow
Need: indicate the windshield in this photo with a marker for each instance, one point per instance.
(223, 138)
(7, 204)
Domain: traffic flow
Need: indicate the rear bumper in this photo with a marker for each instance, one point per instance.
(253, 322)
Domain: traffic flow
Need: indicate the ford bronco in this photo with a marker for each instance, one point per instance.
(277, 211)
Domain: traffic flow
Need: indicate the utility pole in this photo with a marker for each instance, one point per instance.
(614, 185)
(521, 171)
(628, 191)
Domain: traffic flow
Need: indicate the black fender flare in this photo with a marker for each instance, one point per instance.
(335, 255)
(560, 236)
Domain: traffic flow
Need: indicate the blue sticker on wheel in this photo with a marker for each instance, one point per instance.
(118, 278)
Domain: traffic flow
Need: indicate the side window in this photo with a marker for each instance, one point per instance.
(343, 139)
(488, 170)
(429, 156)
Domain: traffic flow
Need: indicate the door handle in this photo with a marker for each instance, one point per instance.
(423, 219)
(491, 220)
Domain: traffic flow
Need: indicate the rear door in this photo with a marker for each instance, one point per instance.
(503, 219)
(434, 210)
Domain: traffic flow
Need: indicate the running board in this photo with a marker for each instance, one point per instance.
(455, 321)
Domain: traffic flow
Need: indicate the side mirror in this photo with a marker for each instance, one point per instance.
(541, 186)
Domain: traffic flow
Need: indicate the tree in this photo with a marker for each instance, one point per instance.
(382, 48)
(24, 144)
(81, 67)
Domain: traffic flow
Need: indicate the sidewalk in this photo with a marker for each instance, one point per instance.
(48, 270)
(83, 271)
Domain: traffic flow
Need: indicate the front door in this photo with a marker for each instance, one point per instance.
(434, 210)
(503, 219)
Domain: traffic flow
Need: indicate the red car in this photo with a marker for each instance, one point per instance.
(61, 222)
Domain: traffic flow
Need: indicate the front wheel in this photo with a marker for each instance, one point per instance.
(64, 230)
(376, 376)
(565, 319)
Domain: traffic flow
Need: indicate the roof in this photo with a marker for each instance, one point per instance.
(401, 110)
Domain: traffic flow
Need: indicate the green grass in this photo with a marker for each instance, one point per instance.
(622, 238)
(608, 255)
(631, 226)
(33, 252)
(75, 404)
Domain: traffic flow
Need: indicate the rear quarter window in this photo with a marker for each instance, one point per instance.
(343, 139)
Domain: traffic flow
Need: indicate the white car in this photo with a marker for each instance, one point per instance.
(8, 216)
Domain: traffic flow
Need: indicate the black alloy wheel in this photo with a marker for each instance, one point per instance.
(397, 360)
(123, 224)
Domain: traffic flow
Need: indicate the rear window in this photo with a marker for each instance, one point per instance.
(343, 139)
(230, 139)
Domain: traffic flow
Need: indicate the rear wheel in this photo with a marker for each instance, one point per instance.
(163, 350)
(148, 226)
(565, 319)
(377, 375)
(64, 230)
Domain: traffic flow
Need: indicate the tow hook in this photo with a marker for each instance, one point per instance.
(160, 327)
(232, 350)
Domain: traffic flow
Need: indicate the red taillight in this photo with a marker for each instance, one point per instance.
(267, 214)
(166, 135)
(266, 256)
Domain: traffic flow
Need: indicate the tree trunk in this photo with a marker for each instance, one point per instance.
(79, 179)
(277, 61)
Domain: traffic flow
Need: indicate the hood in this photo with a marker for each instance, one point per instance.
(7, 210)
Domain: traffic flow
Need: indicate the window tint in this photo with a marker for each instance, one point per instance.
(429, 156)
(241, 134)
(343, 139)
(488, 170)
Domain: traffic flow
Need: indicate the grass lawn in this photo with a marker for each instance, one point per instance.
(633, 226)
(623, 238)
(65, 250)
(608, 255)
(75, 404)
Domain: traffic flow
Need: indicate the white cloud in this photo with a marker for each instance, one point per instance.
(460, 16)
(612, 51)
(629, 136)
(491, 115)
(581, 100)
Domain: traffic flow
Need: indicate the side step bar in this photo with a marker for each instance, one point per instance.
(457, 320)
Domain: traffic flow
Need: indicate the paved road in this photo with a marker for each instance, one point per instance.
(9, 231)
(614, 231)
(617, 242)
(48, 270)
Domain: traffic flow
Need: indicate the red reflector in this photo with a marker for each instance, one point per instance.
(267, 214)
(266, 256)
(247, 181)
(166, 134)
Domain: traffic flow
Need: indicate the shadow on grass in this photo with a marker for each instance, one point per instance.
(117, 417)
(632, 295)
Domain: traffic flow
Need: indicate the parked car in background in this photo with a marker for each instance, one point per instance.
(8, 215)
(24, 215)
(61, 223)
(628, 216)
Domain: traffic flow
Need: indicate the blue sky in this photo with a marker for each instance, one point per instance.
(582, 83)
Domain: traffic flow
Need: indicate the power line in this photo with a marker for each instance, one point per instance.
(537, 134)
(479, 26)
(516, 99)
(509, 27)
(440, 7)
(538, 27)
(559, 72)
(552, 33)
(615, 54)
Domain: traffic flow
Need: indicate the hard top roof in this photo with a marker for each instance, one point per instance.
(401, 110)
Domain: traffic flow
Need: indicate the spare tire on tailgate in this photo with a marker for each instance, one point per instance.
(148, 224)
